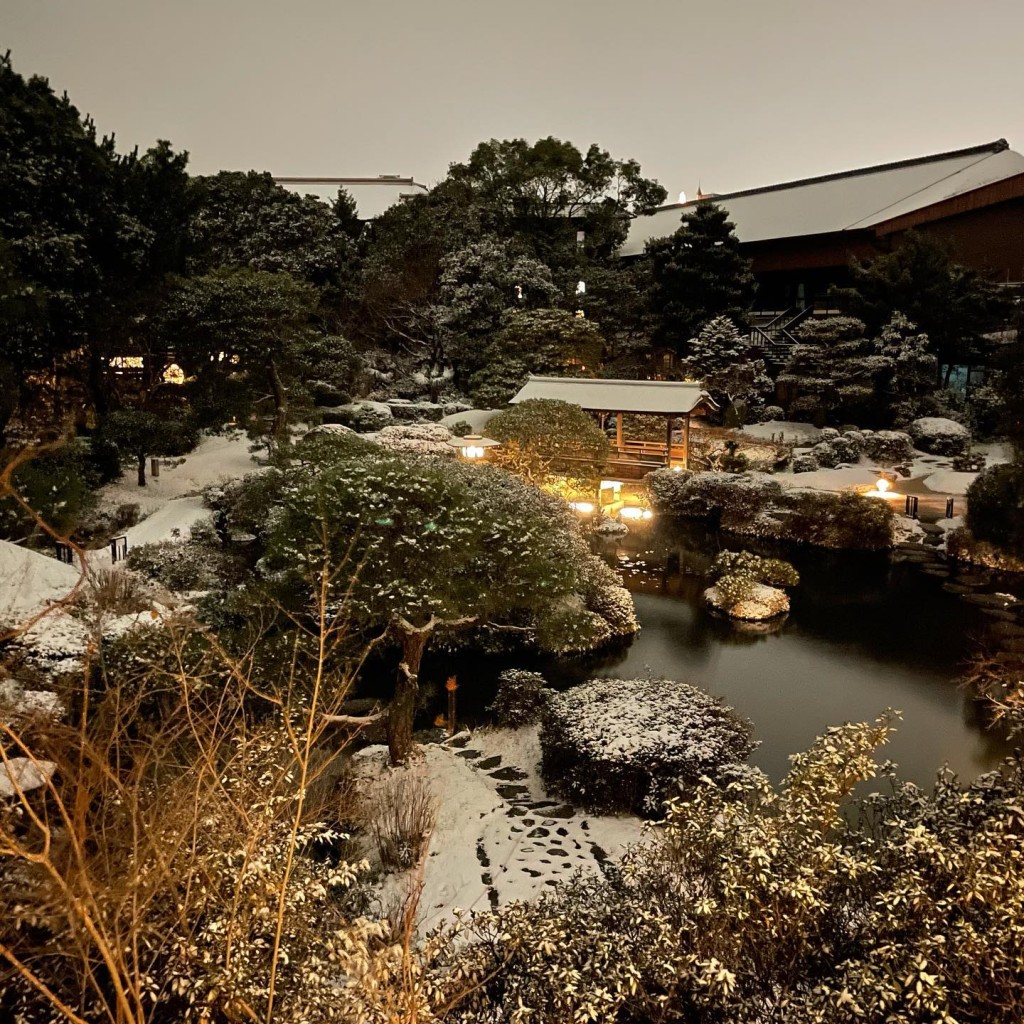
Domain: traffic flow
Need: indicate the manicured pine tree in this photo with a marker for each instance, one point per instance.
(698, 273)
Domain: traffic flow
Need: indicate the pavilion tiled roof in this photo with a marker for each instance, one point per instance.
(654, 397)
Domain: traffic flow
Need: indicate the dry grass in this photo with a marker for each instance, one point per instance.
(117, 592)
(401, 810)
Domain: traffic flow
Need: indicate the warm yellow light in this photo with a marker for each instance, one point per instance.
(584, 507)
(615, 485)
(677, 469)
(174, 374)
(472, 451)
(632, 512)
(883, 485)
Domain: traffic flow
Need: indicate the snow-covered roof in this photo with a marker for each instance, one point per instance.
(666, 398)
(30, 580)
(847, 201)
(372, 195)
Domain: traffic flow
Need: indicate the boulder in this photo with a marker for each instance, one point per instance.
(761, 602)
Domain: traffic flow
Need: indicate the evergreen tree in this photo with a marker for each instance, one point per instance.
(954, 305)
(698, 273)
(248, 220)
(424, 547)
(718, 346)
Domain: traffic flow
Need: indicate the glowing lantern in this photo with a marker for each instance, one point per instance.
(473, 447)
(174, 374)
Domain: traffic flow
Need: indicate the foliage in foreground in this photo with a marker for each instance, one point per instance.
(756, 906)
(187, 865)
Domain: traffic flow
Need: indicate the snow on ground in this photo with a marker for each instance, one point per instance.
(177, 514)
(476, 418)
(946, 481)
(29, 581)
(488, 849)
(790, 430)
(170, 502)
(217, 459)
(838, 479)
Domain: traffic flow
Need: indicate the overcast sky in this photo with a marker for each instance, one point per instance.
(730, 93)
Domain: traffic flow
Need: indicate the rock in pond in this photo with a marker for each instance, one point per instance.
(762, 602)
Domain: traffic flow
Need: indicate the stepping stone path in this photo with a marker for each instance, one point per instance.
(528, 841)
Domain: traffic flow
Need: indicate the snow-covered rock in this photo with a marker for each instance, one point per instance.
(23, 774)
(17, 702)
(762, 602)
(939, 436)
(364, 416)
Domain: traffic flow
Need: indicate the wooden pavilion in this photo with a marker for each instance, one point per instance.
(673, 400)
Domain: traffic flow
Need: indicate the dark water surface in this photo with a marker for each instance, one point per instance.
(863, 635)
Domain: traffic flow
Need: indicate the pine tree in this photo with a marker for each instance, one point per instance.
(698, 274)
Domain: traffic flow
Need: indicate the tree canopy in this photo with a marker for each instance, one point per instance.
(698, 273)
(416, 546)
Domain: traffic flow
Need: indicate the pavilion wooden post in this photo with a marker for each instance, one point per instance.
(668, 440)
(686, 441)
(618, 430)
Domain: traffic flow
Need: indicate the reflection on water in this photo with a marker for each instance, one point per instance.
(862, 635)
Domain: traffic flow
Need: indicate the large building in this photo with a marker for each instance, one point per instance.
(372, 195)
(801, 235)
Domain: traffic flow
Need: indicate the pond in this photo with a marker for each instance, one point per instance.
(864, 634)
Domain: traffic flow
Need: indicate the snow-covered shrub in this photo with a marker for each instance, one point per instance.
(828, 434)
(968, 462)
(418, 439)
(854, 438)
(939, 436)
(987, 409)
(733, 499)
(570, 627)
(826, 454)
(179, 567)
(402, 409)
(520, 699)
(605, 595)
(628, 745)
(842, 520)
(805, 462)
(773, 412)
(995, 507)
(845, 449)
(363, 417)
(746, 565)
(756, 505)
(888, 446)
(460, 428)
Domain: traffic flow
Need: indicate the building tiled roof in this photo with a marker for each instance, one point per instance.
(372, 195)
(847, 201)
(666, 398)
